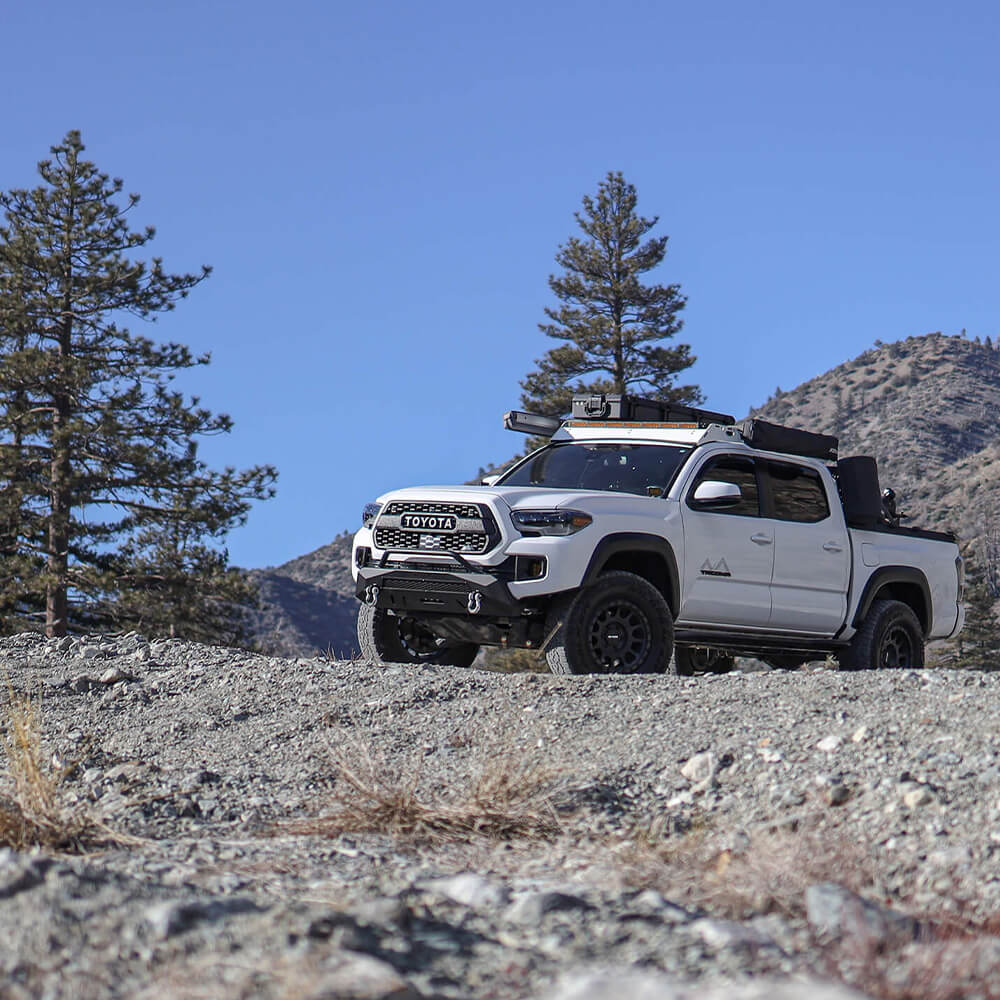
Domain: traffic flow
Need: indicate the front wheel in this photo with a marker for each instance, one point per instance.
(890, 636)
(386, 638)
(620, 624)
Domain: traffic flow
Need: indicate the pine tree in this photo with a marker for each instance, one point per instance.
(977, 646)
(613, 324)
(154, 585)
(22, 598)
(98, 454)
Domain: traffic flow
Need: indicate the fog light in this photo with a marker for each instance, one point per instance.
(530, 568)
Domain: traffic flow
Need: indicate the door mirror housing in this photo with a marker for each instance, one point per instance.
(713, 495)
(489, 480)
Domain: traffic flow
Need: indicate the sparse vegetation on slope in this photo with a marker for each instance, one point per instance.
(37, 812)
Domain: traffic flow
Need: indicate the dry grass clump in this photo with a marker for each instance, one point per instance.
(950, 959)
(514, 661)
(738, 876)
(505, 797)
(37, 812)
(924, 970)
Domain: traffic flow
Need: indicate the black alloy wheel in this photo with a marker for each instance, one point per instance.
(619, 624)
(619, 636)
(890, 637)
(896, 648)
(386, 638)
(417, 639)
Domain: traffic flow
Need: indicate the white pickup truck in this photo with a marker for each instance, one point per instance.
(647, 537)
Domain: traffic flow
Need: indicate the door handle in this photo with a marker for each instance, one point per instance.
(760, 539)
(833, 547)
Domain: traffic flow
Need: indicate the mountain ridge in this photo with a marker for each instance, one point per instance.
(926, 408)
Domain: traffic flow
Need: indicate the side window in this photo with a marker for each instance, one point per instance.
(797, 493)
(731, 469)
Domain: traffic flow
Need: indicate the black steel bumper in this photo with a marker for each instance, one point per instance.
(460, 592)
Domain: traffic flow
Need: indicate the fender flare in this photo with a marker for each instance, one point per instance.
(636, 541)
(894, 574)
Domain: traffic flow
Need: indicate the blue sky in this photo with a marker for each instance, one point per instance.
(381, 189)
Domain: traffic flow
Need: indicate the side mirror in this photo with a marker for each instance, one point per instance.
(713, 495)
(489, 480)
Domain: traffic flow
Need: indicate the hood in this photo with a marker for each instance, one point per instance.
(512, 496)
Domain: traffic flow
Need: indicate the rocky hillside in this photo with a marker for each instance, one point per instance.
(926, 407)
(308, 604)
(222, 824)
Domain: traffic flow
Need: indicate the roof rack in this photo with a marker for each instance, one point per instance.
(631, 410)
(617, 406)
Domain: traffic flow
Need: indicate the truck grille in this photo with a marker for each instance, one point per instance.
(475, 530)
(465, 541)
(458, 509)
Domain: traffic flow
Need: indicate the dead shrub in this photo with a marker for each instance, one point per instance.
(513, 661)
(38, 812)
(505, 797)
(737, 876)
(927, 969)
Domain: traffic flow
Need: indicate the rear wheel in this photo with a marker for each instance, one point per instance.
(620, 624)
(386, 638)
(689, 660)
(889, 637)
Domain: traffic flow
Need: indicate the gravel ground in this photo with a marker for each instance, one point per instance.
(762, 834)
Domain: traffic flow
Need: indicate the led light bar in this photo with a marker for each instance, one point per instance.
(531, 423)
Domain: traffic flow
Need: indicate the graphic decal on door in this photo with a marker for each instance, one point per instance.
(718, 569)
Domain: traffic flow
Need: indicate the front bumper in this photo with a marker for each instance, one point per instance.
(458, 592)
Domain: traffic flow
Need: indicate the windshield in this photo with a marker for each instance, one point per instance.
(643, 469)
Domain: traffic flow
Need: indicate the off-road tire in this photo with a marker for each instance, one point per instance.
(890, 636)
(688, 660)
(386, 638)
(619, 624)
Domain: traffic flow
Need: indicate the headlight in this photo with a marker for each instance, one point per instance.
(369, 514)
(550, 522)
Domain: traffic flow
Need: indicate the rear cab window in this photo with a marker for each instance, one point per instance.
(796, 493)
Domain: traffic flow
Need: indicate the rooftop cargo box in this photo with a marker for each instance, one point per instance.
(617, 406)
